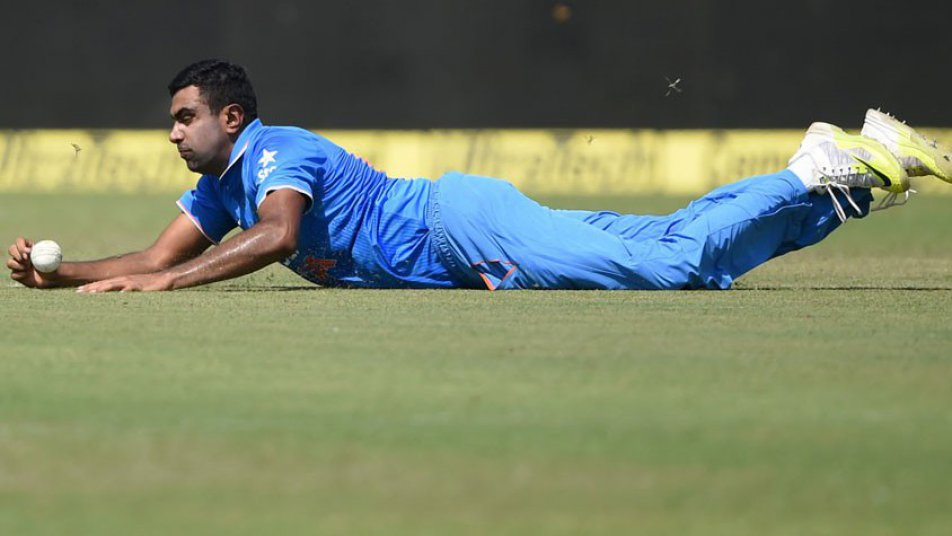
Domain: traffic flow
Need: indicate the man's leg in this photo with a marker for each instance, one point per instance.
(646, 227)
(513, 242)
(504, 240)
(771, 215)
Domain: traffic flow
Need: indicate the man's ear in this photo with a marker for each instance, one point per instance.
(232, 117)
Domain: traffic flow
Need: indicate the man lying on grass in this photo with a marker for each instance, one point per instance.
(336, 221)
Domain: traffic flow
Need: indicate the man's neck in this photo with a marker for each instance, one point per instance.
(221, 163)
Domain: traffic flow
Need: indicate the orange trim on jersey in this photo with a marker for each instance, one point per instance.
(489, 284)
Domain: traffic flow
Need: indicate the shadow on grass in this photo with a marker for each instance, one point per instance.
(775, 288)
(263, 288)
(844, 288)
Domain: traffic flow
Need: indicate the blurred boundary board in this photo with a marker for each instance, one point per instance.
(547, 162)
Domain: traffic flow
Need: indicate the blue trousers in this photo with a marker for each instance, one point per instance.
(494, 237)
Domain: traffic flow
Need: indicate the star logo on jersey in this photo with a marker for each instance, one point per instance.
(267, 157)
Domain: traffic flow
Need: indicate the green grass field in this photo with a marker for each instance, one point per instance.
(815, 398)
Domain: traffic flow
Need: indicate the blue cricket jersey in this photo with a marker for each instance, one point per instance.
(361, 228)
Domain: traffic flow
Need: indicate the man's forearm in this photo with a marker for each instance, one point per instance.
(78, 273)
(246, 252)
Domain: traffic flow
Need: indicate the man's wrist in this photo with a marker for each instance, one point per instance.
(53, 279)
(169, 279)
(67, 275)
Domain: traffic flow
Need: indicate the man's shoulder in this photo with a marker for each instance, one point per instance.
(288, 135)
(293, 141)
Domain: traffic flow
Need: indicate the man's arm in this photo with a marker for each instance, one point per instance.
(272, 239)
(180, 241)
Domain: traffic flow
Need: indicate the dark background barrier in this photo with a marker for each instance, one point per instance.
(485, 63)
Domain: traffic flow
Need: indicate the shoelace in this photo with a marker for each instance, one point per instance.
(892, 200)
(828, 188)
(830, 185)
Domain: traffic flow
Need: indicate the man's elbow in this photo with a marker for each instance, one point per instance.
(161, 260)
(285, 249)
(284, 242)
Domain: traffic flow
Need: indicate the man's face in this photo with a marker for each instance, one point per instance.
(201, 136)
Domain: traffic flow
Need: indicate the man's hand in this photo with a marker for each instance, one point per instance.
(21, 267)
(161, 267)
(130, 283)
(180, 241)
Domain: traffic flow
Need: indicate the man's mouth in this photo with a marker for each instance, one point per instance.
(185, 153)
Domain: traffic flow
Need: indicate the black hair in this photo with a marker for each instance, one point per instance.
(220, 83)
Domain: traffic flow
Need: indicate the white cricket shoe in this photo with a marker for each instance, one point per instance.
(831, 159)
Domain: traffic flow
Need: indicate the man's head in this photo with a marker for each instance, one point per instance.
(212, 102)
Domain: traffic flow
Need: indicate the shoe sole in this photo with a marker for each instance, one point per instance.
(901, 139)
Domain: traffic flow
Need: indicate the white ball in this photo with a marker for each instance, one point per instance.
(46, 256)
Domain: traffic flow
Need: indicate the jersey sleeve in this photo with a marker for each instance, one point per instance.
(289, 162)
(204, 207)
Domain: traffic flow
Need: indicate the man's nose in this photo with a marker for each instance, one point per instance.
(175, 135)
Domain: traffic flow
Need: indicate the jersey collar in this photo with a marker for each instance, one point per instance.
(241, 144)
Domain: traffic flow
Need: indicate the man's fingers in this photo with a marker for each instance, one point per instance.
(24, 246)
(99, 286)
(89, 287)
(14, 252)
(120, 284)
(16, 265)
(18, 276)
